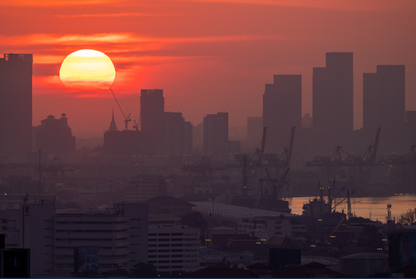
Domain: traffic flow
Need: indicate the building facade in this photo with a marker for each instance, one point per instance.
(333, 94)
(173, 248)
(15, 107)
(215, 136)
(152, 108)
(177, 139)
(384, 97)
(282, 108)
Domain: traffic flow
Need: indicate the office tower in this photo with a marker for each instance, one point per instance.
(15, 106)
(333, 94)
(384, 97)
(152, 108)
(177, 134)
(54, 136)
(254, 129)
(282, 109)
(215, 139)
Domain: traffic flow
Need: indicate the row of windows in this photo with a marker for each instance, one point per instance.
(90, 222)
(172, 245)
(99, 247)
(92, 239)
(91, 231)
(173, 239)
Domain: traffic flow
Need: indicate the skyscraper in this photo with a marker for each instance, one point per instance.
(15, 106)
(177, 134)
(384, 97)
(215, 133)
(333, 94)
(282, 108)
(152, 108)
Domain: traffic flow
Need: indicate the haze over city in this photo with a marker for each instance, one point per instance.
(208, 56)
(208, 138)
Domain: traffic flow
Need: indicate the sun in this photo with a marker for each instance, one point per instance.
(87, 70)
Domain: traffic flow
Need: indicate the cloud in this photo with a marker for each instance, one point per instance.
(108, 15)
(48, 3)
(349, 5)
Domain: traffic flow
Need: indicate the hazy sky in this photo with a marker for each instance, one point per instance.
(207, 56)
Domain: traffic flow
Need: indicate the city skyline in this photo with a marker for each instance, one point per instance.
(215, 64)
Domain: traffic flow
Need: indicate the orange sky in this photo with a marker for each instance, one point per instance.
(208, 56)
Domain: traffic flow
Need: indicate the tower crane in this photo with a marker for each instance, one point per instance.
(126, 118)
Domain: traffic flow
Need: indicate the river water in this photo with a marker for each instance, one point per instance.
(374, 208)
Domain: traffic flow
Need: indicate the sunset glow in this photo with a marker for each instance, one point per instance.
(87, 70)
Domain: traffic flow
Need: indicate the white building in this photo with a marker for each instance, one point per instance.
(173, 248)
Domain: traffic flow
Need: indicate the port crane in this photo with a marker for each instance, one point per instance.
(127, 119)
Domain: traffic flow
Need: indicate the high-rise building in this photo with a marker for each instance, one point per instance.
(15, 106)
(177, 134)
(384, 97)
(282, 108)
(215, 133)
(333, 94)
(152, 108)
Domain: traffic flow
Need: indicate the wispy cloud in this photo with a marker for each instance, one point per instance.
(48, 3)
(117, 38)
(107, 15)
(368, 5)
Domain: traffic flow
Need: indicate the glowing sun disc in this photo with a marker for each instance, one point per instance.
(87, 69)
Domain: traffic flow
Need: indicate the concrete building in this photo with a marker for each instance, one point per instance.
(333, 94)
(54, 136)
(28, 223)
(152, 108)
(282, 108)
(215, 133)
(120, 233)
(15, 107)
(97, 228)
(384, 97)
(173, 248)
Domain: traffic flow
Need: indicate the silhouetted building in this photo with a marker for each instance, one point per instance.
(54, 136)
(307, 121)
(197, 138)
(15, 106)
(254, 129)
(333, 94)
(384, 97)
(152, 108)
(215, 133)
(177, 134)
(113, 126)
(282, 108)
(126, 142)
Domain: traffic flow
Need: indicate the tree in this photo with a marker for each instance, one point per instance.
(408, 218)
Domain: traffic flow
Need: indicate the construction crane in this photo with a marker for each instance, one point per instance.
(126, 118)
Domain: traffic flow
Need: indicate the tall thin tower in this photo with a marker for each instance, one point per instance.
(15, 106)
